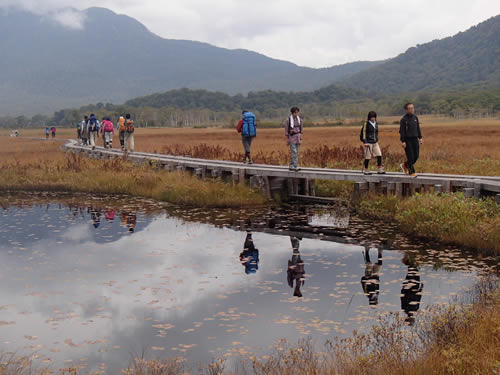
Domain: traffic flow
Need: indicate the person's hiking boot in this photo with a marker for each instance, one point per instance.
(250, 161)
(404, 168)
(244, 160)
(380, 170)
(413, 174)
(366, 172)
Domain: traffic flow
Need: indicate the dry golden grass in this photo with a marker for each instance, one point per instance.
(39, 165)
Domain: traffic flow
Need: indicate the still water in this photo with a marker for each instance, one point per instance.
(93, 282)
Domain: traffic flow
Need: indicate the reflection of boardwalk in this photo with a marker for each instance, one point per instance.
(271, 177)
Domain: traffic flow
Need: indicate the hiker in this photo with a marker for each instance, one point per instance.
(369, 137)
(93, 129)
(121, 131)
(248, 129)
(129, 134)
(411, 291)
(370, 282)
(249, 257)
(129, 220)
(108, 130)
(411, 139)
(47, 132)
(53, 131)
(79, 132)
(296, 271)
(85, 130)
(293, 133)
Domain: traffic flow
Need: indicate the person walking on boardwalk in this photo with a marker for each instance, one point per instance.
(47, 132)
(411, 139)
(248, 129)
(129, 134)
(411, 290)
(79, 132)
(85, 130)
(108, 130)
(93, 129)
(121, 131)
(369, 137)
(53, 131)
(293, 133)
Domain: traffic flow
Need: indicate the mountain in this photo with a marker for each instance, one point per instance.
(470, 58)
(47, 66)
(261, 101)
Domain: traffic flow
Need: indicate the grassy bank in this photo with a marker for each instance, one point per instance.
(41, 166)
(461, 338)
(448, 218)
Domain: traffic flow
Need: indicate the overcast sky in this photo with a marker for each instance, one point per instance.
(314, 33)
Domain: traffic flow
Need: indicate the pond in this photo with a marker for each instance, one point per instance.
(93, 282)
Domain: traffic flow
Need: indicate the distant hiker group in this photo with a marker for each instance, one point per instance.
(89, 129)
(409, 131)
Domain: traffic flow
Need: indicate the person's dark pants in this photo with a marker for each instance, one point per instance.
(247, 143)
(412, 152)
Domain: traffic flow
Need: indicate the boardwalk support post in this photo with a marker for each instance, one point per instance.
(469, 192)
(360, 189)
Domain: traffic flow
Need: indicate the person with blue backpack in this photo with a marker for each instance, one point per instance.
(248, 129)
(94, 127)
(249, 258)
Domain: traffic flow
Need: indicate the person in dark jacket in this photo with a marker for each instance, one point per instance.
(370, 282)
(411, 291)
(249, 257)
(296, 271)
(411, 139)
(369, 137)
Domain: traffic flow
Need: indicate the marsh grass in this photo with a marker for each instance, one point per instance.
(449, 218)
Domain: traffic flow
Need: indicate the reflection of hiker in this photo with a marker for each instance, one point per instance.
(248, 129)
(249, 257)
(110, 215)
(371, 281)
(121, 131)
(53, 131)
(293, 133)
(108, 130)
(411, 139)
(129, 134)
(47, 132)
(411, 291)
(95, 216)
(296, 270)
(129, 220)
(369, 137)
(93, 129)
(85, 130)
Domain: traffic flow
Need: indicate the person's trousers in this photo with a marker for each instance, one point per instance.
(129, 142)
(412, 152)
(93, 138)
(108, 139)
(247, 143)
(122, 138)
(294, 155)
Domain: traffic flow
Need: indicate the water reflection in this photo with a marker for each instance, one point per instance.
(371, 280)
(296, 269)
(249, 257)
(411, 292)
(176, 287)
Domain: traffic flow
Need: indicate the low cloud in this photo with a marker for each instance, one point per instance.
(70, 18)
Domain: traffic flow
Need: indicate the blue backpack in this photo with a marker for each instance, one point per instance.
(249, 125)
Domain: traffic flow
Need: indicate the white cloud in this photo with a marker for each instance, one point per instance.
(312, 33)
(69, 18)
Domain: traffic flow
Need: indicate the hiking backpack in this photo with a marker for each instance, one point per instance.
(122, 125)
(129, 125)
(94, 125)
(108, 126)
(249, 125)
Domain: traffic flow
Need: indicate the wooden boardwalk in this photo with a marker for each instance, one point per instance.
(278, 179)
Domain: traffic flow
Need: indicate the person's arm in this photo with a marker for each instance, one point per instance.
(287, 128)
(402, 130)
(419, 131)
(239, 128)
(361, 134)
